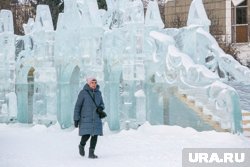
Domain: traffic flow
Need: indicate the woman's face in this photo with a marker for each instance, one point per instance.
(92, 84)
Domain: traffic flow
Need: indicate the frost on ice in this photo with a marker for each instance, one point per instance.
(144, 70)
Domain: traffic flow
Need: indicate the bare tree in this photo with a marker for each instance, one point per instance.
(160, 2)
(25, 9)
(216, 31)
(177, 22)
(5, 4)
(21, 13)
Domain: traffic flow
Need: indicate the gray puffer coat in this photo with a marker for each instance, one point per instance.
(85, 111)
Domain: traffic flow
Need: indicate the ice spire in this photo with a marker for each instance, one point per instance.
(197, 15)
(153, 17)
(6, 21)
(43, 19)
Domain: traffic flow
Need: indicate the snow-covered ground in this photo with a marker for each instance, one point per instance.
(244, 55)
(160, 146)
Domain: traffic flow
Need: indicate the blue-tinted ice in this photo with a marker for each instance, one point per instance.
(142, 68)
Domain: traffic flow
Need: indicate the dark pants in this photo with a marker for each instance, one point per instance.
(93, 141)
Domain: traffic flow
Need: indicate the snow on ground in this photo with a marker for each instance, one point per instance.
(244, 55)
(160, 146)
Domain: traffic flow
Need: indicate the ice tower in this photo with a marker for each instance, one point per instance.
(36, 79)
(7, 67)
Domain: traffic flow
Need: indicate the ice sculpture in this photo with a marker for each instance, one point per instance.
(153, 17)
(141, 67)
(7, 67)
(36, 81)
(197, 15)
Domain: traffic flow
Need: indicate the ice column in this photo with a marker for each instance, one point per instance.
(140, 107)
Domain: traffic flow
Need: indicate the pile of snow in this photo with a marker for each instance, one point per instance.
(161, 146)
(244, 56)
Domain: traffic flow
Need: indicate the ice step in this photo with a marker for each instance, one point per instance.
(246, 129)
(245, 114)
(245, 122)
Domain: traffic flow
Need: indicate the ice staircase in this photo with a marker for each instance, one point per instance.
(246, 122)
(193, 103)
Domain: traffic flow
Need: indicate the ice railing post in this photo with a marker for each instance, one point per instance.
(227, 106)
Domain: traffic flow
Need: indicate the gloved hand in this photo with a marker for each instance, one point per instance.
(100, 112)
(76, 124)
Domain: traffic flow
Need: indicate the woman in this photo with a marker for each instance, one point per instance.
(88, 103)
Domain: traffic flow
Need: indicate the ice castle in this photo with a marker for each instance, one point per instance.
(146, 73)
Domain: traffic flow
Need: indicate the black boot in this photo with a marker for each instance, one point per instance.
(81, 150)
(91, 153)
